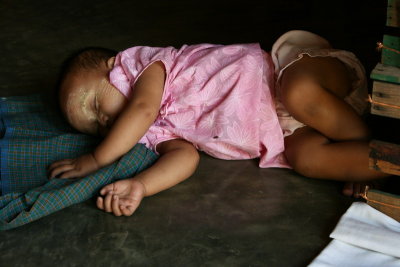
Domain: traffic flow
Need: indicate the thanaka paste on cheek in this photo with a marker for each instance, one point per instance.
(85, 106)
(78, 107)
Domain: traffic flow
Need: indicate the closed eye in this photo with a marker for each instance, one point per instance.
(96, 104)
(94, 124)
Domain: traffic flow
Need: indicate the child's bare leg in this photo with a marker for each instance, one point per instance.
(314, 155)
(335, 143)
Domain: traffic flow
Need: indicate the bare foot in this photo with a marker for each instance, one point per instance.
(354, 189)
(357, 189)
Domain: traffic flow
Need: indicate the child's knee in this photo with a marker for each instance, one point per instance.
(301, 163)
(304, 150)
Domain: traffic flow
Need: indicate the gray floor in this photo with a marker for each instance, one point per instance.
(230, 213)
(227, 214)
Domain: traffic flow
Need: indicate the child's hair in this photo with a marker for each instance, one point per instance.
(86, 59)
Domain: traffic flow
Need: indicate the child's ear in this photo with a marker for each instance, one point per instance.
(110, 63)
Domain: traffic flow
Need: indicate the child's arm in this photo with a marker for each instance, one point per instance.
(131, 125)
(178, 161)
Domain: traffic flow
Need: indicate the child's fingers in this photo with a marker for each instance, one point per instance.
(107, 203)
(130, 206)
(128, 202)
(127, 210)
(60, 169)
(70, 174)
(115, 206)
(60, 163)
(107, 189)
(100, 203)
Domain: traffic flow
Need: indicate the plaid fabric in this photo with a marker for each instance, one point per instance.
(32, 138)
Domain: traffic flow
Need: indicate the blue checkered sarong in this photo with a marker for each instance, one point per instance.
(32, 137)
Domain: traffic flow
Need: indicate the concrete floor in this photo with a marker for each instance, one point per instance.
(230, 213)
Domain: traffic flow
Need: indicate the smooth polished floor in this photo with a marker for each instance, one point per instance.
(230, 213)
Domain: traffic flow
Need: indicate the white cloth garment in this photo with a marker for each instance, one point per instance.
(363, 237)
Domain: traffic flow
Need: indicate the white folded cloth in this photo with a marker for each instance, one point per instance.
(363, 237)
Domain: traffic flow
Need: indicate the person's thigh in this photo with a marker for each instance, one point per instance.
(315, 99)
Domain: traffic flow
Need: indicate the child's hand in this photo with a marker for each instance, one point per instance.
(74, 168)
(122, 197)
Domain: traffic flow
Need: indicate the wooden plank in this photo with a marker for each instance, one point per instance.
(384, 157)
(390, 57)
(388, 93)
(393, 11)
(386, 99)
(385, 111)
(386, 203)
(386, 73)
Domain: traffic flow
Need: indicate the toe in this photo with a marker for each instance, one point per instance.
(348, 189)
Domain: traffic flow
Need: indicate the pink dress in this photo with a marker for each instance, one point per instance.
(217, 97)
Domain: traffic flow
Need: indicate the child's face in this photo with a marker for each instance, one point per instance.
(90, 102)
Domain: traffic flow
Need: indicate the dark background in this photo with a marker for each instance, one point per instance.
(35, 36)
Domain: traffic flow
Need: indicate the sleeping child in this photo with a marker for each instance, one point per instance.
(297, 107)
